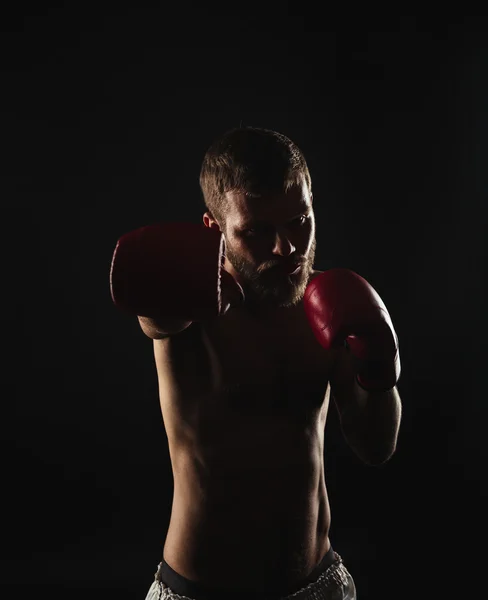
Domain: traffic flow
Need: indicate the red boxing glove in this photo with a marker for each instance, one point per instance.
(173, 270)
(343, 308)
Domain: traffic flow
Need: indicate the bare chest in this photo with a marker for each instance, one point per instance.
(239, 375)
(270, 363)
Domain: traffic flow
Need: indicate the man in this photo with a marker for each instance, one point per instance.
(250, 343)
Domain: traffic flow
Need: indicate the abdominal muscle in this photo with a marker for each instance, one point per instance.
(264, 521)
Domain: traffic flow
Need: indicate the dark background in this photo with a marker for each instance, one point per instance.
(106, 115)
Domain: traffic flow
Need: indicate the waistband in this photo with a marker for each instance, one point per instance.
(197, 591)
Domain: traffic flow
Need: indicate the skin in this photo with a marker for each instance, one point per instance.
(263, 235)
(244, 398)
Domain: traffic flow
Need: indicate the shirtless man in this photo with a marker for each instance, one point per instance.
(250, 344)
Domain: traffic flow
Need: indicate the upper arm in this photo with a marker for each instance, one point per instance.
(157, 329)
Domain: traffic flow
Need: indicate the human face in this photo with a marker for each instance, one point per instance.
(270, 244)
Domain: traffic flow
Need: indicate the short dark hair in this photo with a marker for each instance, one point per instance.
(253, 160)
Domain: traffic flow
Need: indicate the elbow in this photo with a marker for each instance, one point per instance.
(380, 455)
(378, 458)
(372, 432)
(372, 454)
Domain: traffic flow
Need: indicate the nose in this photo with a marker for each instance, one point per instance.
(283, 245)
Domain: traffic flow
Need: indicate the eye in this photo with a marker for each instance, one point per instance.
(301, 220)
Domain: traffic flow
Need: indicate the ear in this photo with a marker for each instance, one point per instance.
(210, 222)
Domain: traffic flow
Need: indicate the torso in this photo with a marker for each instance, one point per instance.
(244, 404)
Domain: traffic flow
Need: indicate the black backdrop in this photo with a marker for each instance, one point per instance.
(106, 114)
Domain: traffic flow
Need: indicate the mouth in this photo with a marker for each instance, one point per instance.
(284, 269)
(295, 271)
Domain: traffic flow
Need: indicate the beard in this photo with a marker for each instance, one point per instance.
(267, 285)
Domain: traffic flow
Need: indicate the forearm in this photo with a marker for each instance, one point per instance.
(370, 422)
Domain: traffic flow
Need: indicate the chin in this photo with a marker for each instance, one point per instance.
(292, 299)
(274, 293)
